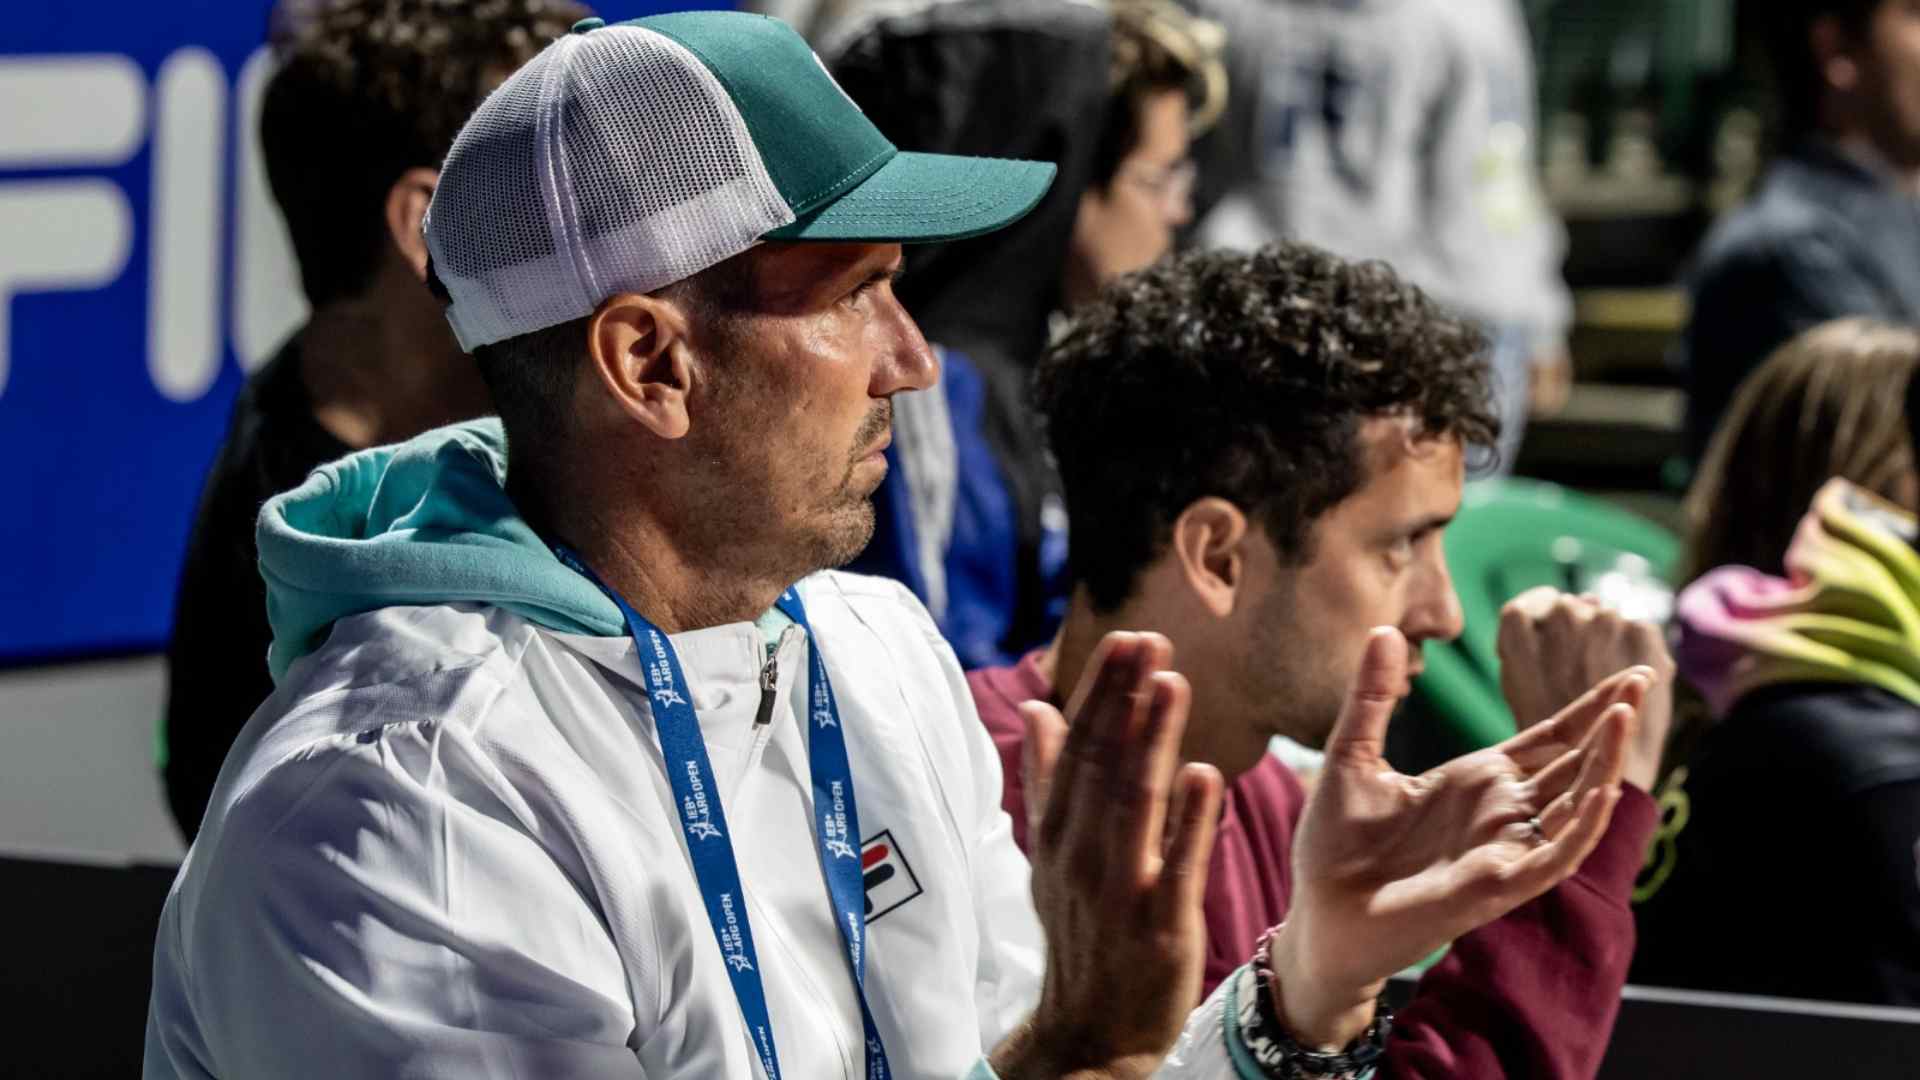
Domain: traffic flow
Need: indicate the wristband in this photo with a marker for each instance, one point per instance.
(1281, 1056)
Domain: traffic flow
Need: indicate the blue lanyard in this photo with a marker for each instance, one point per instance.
(836, 821)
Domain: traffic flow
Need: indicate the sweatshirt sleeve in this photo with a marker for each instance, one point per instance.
(1534, 993)
(1012, 952)
(362, 920)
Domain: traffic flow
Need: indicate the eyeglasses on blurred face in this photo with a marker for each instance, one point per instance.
(1170, 186)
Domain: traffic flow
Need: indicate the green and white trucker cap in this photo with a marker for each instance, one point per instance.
(625, 158)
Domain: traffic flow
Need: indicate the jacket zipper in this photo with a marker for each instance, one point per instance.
(769, 685)
(770, 679)
(816, 994)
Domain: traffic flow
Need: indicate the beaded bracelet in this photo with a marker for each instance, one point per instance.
(1277, 1053)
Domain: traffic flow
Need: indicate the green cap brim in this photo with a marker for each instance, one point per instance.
(926, 198)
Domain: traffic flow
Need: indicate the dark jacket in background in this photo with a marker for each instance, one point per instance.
(1798, 871)
(217, 660)
(999, 78)
(1825, 237)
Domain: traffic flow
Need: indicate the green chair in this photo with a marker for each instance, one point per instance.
(1512, 535)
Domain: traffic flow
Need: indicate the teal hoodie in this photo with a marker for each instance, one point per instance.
(422, 522)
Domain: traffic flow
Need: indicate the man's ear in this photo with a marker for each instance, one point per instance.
(1833, 53)
(1210, 548)
(638, 344)
(406, 211)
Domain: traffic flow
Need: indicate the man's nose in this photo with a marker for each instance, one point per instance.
(906, 362)
(1436, 614)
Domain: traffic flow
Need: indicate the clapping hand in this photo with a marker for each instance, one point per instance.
(1389, 867)
(1120, 845)
(1553, 646)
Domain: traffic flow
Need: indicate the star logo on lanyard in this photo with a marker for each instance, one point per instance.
(739, 962)
(702, 830)
(668, 697)
(840, 849)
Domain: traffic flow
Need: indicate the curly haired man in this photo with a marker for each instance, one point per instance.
(1260, 453)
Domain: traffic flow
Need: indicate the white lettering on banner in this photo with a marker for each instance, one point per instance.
(699, 818)
(70, 110)
(183, 279)
(732, 945)
(71, 233)
(853, 936)
(91, 111)
(838, 842)
(60, 235)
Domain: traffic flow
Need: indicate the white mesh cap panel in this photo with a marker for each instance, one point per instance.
(664, 173)
(613, 162)
(488, 229)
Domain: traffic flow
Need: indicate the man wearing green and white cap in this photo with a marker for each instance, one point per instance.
(581, 762)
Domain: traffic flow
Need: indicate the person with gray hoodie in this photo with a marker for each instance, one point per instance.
(1399, 130)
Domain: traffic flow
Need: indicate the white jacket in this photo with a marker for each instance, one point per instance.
(447, 846)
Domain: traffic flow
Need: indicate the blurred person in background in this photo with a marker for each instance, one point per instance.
(1826, 404)
(1261, 453)
(1834, 226)
(1405, 131)
(364, 102)
(1795, 868)
(970, 518)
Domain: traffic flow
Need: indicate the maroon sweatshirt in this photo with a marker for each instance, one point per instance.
(1532, 994)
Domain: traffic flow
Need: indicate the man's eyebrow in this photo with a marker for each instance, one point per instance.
(1429, 523)
(873, 275)
(889, 273)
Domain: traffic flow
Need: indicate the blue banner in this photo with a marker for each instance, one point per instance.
(143, 271)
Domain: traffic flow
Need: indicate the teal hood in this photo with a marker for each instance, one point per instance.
(423, 522)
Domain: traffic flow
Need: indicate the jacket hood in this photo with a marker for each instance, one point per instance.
(999, 78)
(422, 522)
(1847, 612)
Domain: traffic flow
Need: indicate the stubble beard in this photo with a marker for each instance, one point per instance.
(851, 517)
(1288, 674)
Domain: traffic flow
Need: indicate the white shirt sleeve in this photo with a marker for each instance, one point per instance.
(1013, 946)
(1013, 951)
(1200, 1053)
(365, 916)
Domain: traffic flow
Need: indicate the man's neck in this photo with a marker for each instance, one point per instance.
(1065, 661)
(1066, 657)
(1858, 147)
(372, 378)
(678, 583)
